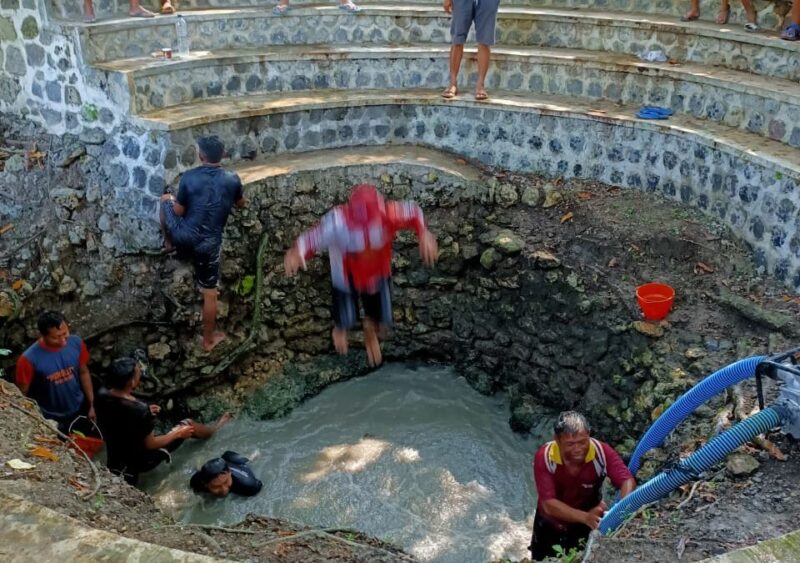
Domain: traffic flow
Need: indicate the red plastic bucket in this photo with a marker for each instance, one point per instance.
(655, 300)
(88, 444)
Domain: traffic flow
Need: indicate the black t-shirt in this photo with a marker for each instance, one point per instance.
(208, 193)
(125, 424)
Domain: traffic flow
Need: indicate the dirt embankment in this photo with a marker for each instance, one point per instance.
(63, 480)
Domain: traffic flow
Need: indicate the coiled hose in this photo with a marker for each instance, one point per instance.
(688, 403)
(690, 468)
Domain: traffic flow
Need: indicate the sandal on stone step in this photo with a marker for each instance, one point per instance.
(450, 92)
(280, 9)
(349, 7)
(791, 32)
(690, 17)
(751, 27)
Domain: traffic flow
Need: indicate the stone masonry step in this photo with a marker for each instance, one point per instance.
(271, 114)
(31, 532)
(614, 32)
(770, 14)
(749, 182)
(427, 160)
(767, 106)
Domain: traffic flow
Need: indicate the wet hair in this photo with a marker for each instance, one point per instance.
(49, 320)
(571, 422)
(210, 470)
(121, 372)
(212, 148)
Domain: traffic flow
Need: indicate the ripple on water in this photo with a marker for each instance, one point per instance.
(412, 456)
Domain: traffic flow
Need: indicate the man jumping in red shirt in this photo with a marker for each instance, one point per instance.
(358, 237)
(569, 473)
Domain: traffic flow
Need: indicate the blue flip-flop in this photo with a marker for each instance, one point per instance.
(658, 109)
(652, 112)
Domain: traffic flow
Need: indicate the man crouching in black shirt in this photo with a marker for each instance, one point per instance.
(127, 425)
(193, 223)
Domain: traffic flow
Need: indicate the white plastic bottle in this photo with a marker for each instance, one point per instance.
(183, 35)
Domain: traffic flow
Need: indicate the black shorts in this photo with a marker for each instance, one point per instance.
(206, 261)
(207, 268)
(377, 306)
(547, 535)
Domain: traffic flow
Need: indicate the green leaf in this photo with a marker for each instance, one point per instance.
(89, 112)
(246, 285)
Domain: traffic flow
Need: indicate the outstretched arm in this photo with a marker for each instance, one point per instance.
(407, 215)
(314, 240)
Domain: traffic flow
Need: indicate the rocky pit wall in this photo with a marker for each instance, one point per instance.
(515, 303)
(48, 82)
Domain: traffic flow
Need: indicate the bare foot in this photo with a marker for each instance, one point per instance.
(724, 14)
(340, 340)
(141, 13)
(450, 92)
(480, 94)
(223, 420)
(216, 339)
(373, 346)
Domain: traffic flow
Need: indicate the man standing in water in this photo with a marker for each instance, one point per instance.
(193, 222)
(569, 473)
(358, 237)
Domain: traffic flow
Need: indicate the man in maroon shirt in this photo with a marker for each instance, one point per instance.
(569, 473)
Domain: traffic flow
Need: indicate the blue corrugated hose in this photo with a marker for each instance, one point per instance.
(690, 468)
(688, 403)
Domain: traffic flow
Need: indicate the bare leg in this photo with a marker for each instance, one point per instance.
(724, 12)
(88, 11)
(484, 56)
(137, 11)
(205, 431)
(372, 344)
(168, 246)
(210, 337)
(795, 13)
(749, 10)
(340, 340)
(456, 54)
(694, 11)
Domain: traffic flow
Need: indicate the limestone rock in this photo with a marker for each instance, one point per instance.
(508, 242)
(648, 329)
(67, 286)
(67, 197)
(749, 310)
(74, 155)
(90, 289)
(741, 465)
(490, 258)
(15, 163)
(158, 350)
(545, 260)
(694, 354)
(469, 251)
(532, 196)
(506, 195)
(552, 196)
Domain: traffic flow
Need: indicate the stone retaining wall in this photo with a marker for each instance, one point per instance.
(770, 14)
(765, 112)
(760, 54)
(757, 200)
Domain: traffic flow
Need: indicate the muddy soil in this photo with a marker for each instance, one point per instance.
(62, 483)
